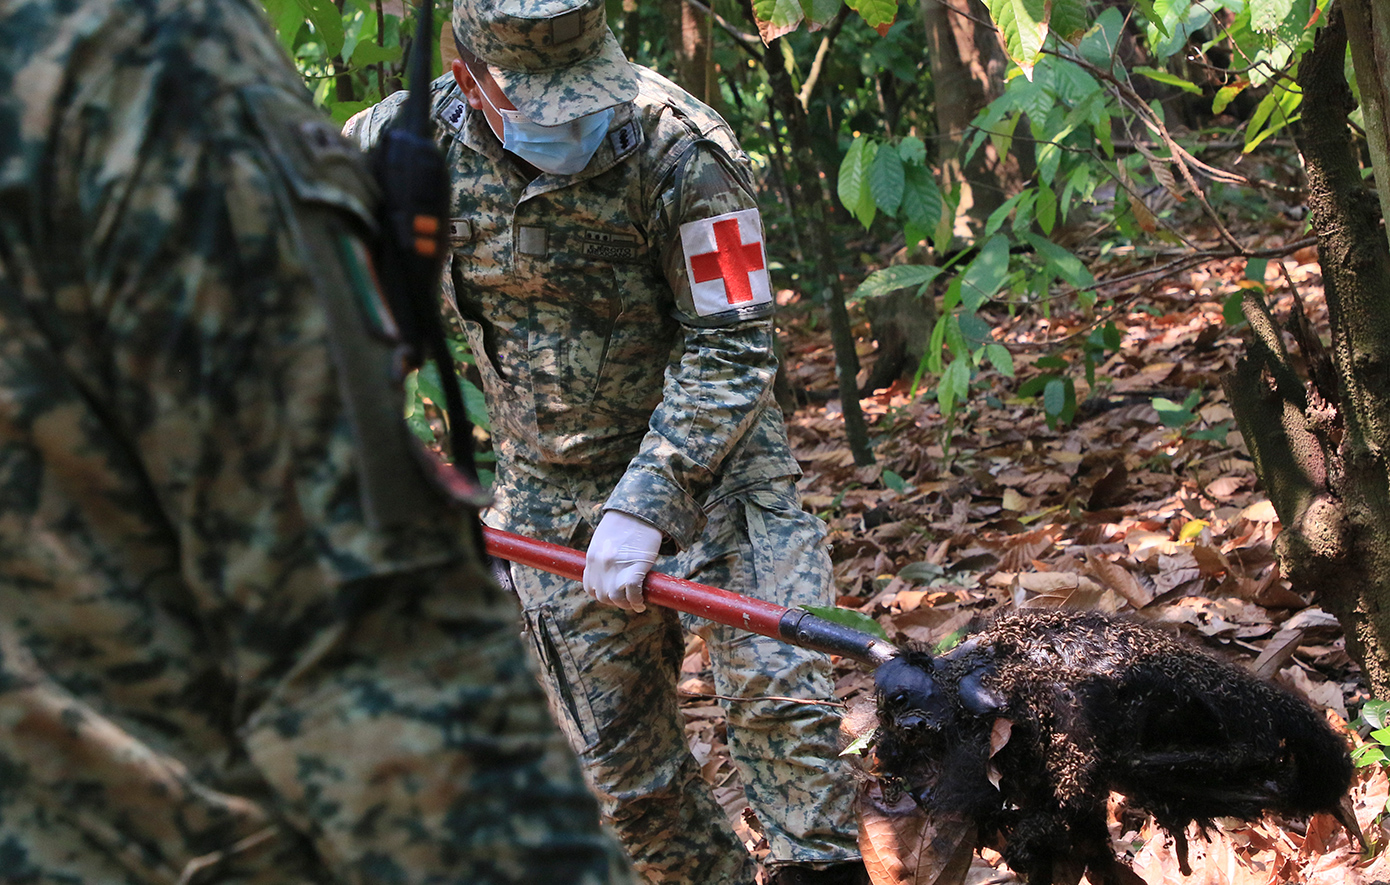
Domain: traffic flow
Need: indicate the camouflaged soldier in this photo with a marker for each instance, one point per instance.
(243, 637)
(607, 259)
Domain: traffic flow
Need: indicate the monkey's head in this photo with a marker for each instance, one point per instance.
(910, 696)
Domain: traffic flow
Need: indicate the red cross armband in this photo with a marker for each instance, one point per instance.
(727, 266)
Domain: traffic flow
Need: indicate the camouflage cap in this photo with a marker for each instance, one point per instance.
(554, 59)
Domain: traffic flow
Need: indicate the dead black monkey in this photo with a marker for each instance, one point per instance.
(1096, 704)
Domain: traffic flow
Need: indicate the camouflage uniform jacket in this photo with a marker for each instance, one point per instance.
(223, 655)
(593, 351)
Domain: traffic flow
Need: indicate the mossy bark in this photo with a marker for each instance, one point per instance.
(1320, 434)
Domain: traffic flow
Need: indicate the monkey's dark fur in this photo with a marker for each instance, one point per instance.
(1096, 704)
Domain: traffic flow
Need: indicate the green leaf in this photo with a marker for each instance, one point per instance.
(287, 17)
(1034, 386)
(368, 53)
(1226, 94)
(955, 337)
(1023, 213)
(894, 481)
(1060, 262)
(1233, 310)
(476, 405)
(954, 384)
(412, 399)
(1167, 78)
(853, 184)
(1375, 713)
(342, 110)
(427, 381)
(1023, 24)
(932, 358)
(922, 200)
(820, 12)
(921, 572)
(875, 12)
(777, 17)
(1147, 8)
(890, 279)
(1103, 39)
(1381, 736)
(999, 357)
(849, 618)
(976, 330)
(327, 22)
(1046, 208)
(1367, 755)
(1069, 21)
(886, 179)
(999, 216)
(1172, 414)
(913, 150)
(1001, 135)
(1268, 15)
(860, 744)
(986, 273)
(1059, 401)
(1255, 269)
(1110, 337)
(1212, 434)
(1274, 112)
(1179, 20)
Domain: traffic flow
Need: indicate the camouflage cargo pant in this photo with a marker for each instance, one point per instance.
(611, 676)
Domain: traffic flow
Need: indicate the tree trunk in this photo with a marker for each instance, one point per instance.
(816, 195)
(688, 35)
(1321, 444)
(968, 64)
(632, 29)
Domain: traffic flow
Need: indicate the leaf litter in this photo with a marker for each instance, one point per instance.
(1117, 513)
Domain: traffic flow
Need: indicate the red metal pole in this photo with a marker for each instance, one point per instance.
(710, 603)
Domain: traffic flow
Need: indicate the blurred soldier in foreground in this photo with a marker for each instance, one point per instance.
(244, 636)
(607, 256)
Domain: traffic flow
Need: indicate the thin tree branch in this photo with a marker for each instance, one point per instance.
(745, 41)
(821, 53)
(1181, 264)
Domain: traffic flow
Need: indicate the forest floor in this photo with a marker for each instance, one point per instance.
(1116, 512)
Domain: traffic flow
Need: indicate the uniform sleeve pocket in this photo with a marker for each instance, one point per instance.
(319, 164)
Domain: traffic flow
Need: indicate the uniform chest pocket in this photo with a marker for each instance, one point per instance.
(569, 350)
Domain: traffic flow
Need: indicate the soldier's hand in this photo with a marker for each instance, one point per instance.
(623, 550)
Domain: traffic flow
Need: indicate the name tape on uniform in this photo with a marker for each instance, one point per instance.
(725, 262)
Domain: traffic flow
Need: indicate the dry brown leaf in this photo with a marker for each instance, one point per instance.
(903, 846)
(1017, 552)
(1014, 501)
(1369, 793)
(1143, 215)
(1121, 580)
(1063, 590)
(1226, 487)
(999, 734)
(1260, 511)
(1276, 652)
(1324, 695)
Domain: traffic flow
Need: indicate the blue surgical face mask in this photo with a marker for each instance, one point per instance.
(560, 150)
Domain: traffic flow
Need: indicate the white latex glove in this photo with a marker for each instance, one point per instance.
(622, 551)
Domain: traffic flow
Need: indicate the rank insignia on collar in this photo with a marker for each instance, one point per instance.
(625, 138)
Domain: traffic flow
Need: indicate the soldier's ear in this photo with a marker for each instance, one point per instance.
(467, 85)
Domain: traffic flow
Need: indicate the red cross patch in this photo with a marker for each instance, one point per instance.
(725, 262)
